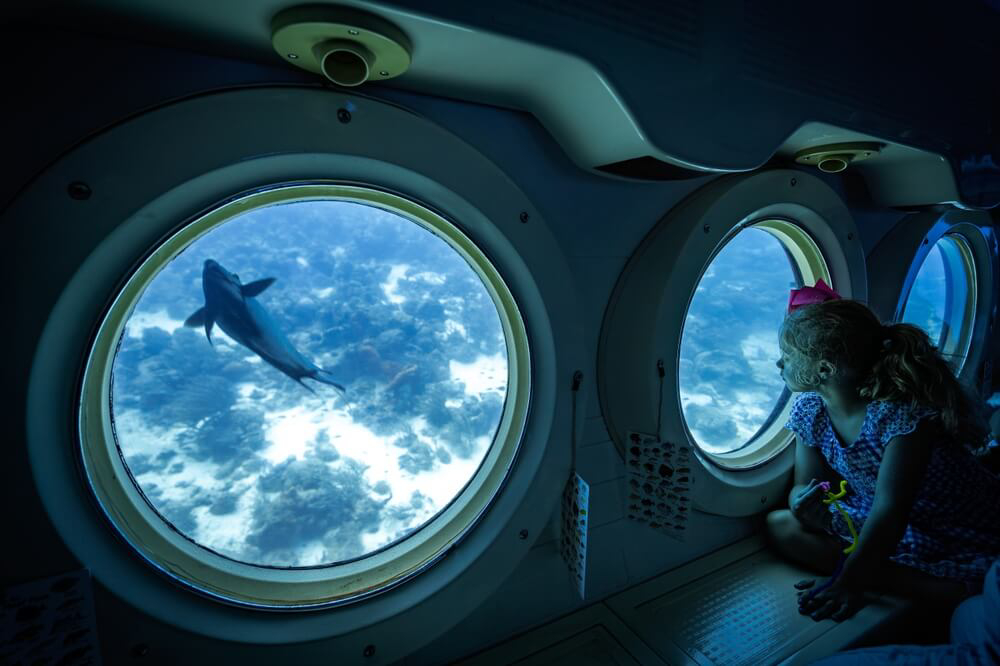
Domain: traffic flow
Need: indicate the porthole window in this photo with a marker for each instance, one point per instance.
(731, 394)
(304, 396)
(689, 343)
(942, 298)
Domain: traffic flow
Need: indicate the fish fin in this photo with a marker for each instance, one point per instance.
(197, 320)
(325, 377)
(257, 286)
(304, 385)
(208, 330)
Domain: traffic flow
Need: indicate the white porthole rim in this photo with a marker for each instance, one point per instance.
(513, 420)
(643, 319)
(957, 344)
(972, 235)
(808, 264)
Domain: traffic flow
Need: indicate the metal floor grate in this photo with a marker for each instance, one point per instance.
(744, 613)
(741, 622)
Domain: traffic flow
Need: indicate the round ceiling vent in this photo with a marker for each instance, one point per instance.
(346, 46)
(835, 157)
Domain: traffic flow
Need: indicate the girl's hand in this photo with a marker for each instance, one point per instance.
(808, 508)
(836, 599)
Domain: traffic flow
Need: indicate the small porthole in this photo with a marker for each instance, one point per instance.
(731, 394)
(305, 396)
(942, 298)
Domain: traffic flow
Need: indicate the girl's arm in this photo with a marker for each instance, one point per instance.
(900, 475)
(806, 497)
(810, 464)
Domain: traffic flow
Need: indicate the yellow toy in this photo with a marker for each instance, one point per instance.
(832, 498)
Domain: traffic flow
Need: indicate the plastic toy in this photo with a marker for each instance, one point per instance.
(831, 498)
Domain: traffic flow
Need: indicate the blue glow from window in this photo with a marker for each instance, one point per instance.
(729, 385)
(245, 461)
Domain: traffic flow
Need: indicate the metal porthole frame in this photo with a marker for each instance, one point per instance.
(899, 256)
(644, 319)
(297, 588)
(204, 157)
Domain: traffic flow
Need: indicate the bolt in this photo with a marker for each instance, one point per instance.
(344, 116)
(293, 56)
(369, 651)
(524, 218)
(794, 182)
(79, 190)
(523, 534)
(140, 650)
(707, 228)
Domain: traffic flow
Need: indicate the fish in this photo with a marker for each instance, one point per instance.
(233, 306)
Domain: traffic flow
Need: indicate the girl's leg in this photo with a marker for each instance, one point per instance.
(821, 552)
(817, 552)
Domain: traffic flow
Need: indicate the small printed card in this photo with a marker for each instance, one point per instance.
(659, 479)
(575, 518)
(50, 621)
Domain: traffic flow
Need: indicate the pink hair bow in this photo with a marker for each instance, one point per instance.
(809, 295)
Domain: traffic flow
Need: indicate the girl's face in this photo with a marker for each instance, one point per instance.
(791, 365)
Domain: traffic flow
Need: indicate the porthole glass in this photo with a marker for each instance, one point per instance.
(942, 298)
(731, 393)
(309, 377)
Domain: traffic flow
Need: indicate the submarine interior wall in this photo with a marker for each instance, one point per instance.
(598, 222)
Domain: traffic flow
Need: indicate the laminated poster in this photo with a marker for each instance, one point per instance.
(659, 479)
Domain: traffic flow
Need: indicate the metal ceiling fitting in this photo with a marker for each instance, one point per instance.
(345, 45)
(835, 157)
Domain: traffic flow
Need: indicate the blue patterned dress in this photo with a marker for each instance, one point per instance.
(954, 526)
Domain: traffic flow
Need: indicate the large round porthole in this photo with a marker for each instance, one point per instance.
(690, 337)
(731, 396)
(942, 298)
(304, 396)
(936, 270)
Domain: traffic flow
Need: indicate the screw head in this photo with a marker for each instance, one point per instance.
(524, 217)
(707, 228)
(79, 190)
(850, 235)
(140, 650)
(383, 73)
(763, 500)
(352, 31)
(794, 182)
(344, 116)
(369, 651)
(926, 241)
(522, 535)
(293, 56)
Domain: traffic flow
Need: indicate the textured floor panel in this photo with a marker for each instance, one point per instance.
(745, 616)
(744, 613)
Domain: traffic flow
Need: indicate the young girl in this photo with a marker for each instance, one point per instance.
(880, 408)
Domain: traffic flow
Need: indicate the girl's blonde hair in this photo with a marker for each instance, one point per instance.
(895, 362)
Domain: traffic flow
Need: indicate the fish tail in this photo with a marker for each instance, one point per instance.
(322, 375)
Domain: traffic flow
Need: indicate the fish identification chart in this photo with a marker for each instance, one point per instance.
(659, 484)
